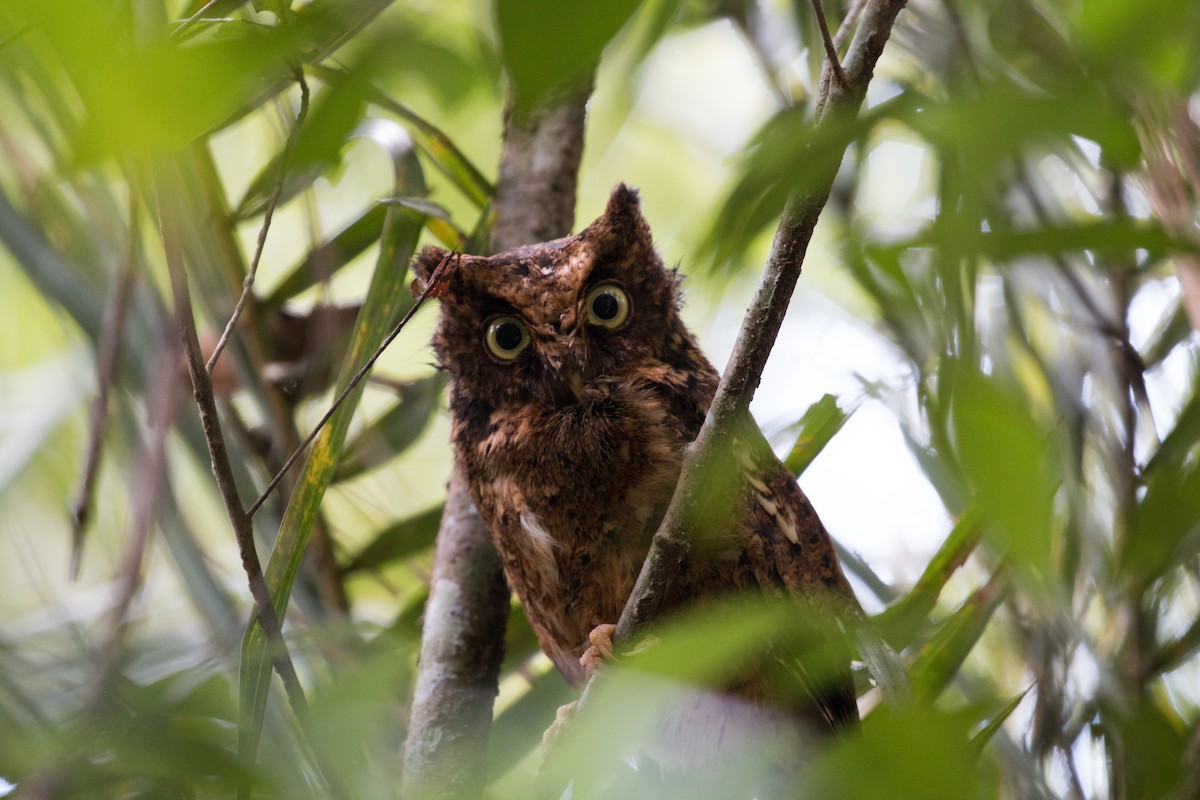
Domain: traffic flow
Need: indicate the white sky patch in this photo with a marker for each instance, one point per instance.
(895, 184)
(720, 102)
(866, 485)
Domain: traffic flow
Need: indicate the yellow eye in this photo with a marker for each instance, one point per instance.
(608, 306)
(506, 337)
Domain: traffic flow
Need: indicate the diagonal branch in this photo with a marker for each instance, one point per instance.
(759, 330)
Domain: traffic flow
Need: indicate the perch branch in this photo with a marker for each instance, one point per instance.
(272, 202)
(759, 330)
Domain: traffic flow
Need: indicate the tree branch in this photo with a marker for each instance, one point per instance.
(759, 330)
(462, 645)
(462, 642)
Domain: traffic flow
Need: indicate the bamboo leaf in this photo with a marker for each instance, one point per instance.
(1121, 235)
(884, 666)
(325, 260)
(1166, 523)
(994, 724)
(319, 144)
(518, 728)
(385, 303)
(546, 45)
(902, 619)
(441, 150)
(398, 541)
(1012, 466)
(818, 426)
(394, 432)
(939, 661)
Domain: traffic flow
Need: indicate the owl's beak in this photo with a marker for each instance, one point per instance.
(575, 381)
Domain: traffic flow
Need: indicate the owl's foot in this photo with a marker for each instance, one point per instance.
(561, 718)
(600, 649)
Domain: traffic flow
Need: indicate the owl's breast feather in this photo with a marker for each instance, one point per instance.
(571, 495)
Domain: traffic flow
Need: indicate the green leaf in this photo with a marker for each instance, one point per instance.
(1175, 329)
(547, 45)
(319, 143)
(818, 426)
(153, 94)
(394, 432)
(884, 666)
(939, 661)
(1178, 445)
(789, 155)
(437, 220)
(325, 260)
(994, 724)
(915, 752)
(518, 728)
(386, 302)
(442, 151)
(903, 619)
(1154, 746)
(1010, 464)
(398, 541)
(1000, 119)
(1118, 236)
(1166, 523)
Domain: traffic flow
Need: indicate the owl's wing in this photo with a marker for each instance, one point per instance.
(785, 546)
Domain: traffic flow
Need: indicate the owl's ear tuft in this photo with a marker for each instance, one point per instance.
(426, 262)
(623, 218)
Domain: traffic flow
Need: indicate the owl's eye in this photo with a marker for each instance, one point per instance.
(506, 337)
(608, 306)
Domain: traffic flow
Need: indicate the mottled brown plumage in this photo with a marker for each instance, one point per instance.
(572, 440)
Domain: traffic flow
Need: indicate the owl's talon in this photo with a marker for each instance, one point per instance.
(600, 649)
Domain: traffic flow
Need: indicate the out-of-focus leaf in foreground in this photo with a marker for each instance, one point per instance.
(1011, 465)
(547, 45)
(818, 426)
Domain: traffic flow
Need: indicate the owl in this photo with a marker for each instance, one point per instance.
(574, 389)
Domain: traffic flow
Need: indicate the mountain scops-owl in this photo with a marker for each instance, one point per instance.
(574, 388)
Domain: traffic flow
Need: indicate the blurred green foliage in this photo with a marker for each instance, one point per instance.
(1032, 290)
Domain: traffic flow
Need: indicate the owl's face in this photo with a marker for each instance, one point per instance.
(553, 322)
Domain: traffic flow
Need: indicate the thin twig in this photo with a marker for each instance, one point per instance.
(848, 23)
(221, 467)
(272, 202)
(194, 18)
(830, 48)
(358, 376)
(111, 337)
